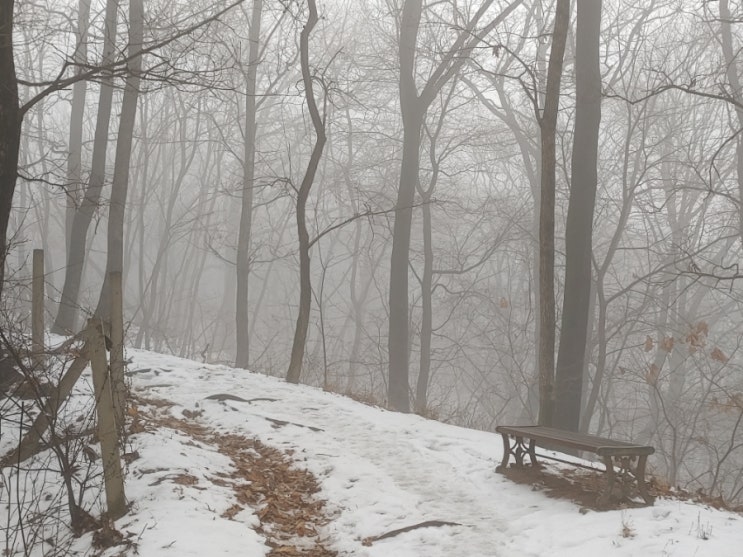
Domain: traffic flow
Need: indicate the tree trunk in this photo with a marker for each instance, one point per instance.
(67, 314)
(120, 185)
(548, 126)
(579, 225)
(412, 117)
(414, 107)
(424, 372)
(10, 129)
(75, 149)
(305, 285)
(398, 342)
(242, 358)
(733, 77)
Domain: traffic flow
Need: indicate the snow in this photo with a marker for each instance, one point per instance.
(378, 471)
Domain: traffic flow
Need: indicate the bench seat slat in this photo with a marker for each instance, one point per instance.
(581, 441)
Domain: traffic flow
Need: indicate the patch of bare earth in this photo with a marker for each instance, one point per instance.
(581, 486)
(264, 479)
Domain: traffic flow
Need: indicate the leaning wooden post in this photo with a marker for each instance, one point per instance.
(118, 386)
(107, 431)
(37, 309)
(32, 441)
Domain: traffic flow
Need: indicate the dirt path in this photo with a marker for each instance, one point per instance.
(264, 478)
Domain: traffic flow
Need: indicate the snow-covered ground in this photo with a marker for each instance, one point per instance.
(378, 471)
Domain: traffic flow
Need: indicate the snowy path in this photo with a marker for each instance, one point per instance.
(381, 471)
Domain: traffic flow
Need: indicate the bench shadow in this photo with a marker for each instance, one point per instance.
(579, 486)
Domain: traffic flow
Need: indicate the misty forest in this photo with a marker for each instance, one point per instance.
(480, 211)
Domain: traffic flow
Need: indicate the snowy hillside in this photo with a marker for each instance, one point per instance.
(205, 479)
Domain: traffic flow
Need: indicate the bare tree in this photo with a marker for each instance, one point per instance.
(11, 119)
(79, 90)
(12, 112)
(733, 78)
(414, 106)
(67, 314)
(548, 126)
(318, 123)
(242, 358)
(120, 184)
(579, 225)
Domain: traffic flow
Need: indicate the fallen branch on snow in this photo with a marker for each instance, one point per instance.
(427, 524)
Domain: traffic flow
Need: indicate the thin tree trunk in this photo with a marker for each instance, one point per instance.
(426, 328)
(412, 117)
(398, 342)
(731, 69)
(120, 185)
(79, 89)
(305, 285)
(424, 372)
(548, 126)
(414, 107)
(67, 314)
(629, 185)
(242, 358)
(141, 282)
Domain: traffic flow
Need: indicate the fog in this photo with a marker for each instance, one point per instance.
(438, 117)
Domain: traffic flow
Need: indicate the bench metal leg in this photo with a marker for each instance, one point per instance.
(605, 497)
(518, 448)
(532, 453)
(630, 477)
(506, 454)
(641, 486)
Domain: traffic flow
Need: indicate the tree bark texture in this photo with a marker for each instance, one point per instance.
(75, 148)
(398, 386)
(412, 117)
(120, 184)
(242, 358)
(10, 128)
(548, 126)
(294, 372)
(733, 77)
(67, 314)
(414, 107)
(424, 371)
(108, 434)
(579, 225)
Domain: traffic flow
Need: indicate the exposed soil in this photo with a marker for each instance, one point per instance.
(581, 486)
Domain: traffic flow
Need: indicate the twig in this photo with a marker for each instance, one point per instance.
(426, 524)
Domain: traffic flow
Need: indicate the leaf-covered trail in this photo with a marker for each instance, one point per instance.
(381, 471)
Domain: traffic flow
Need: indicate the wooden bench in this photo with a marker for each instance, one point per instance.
(630, 459)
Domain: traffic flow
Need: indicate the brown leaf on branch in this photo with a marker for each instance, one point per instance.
(667, 343)
(651, 377)
(697, 337)
(718, 355)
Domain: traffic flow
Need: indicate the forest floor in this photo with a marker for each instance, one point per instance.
(221, 461)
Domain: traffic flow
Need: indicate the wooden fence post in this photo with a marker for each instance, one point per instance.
(117, 349)
(32, 441)
(37, 309)
(107, 430)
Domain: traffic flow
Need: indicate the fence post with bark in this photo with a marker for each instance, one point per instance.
(37, 309)
(93, 352)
